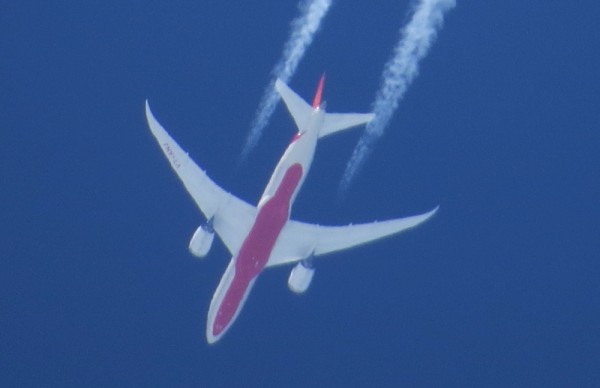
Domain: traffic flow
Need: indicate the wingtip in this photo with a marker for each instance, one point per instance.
(149, 115)
(432, 212)
(426, 216)
(279, 85)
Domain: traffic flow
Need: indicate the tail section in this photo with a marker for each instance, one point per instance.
(298, 108)
(335, 122)
(317, 100)
(301, 111)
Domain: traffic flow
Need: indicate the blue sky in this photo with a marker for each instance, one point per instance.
(500, 129)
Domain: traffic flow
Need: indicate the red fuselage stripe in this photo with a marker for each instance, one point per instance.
(257, 247)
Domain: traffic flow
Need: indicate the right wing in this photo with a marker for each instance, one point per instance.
(299, 240)
(232, 217)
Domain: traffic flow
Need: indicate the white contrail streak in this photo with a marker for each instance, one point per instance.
(303, 30)
(415, 40)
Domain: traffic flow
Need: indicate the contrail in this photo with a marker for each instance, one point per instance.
(415, 40)
(303, 30)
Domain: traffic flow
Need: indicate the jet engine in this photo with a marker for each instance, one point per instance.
(202, 240)
(300, 277)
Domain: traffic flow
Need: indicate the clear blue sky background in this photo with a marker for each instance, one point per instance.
(501, 129)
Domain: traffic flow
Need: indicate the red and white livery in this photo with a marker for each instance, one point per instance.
(263, 236)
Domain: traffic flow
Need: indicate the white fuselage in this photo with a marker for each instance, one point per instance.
(273, 212)
(301, 150)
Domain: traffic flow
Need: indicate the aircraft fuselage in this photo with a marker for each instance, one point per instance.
(273, 212)
(264, 236)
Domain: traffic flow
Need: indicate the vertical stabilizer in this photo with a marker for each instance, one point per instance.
(319, 93)
(301, 111)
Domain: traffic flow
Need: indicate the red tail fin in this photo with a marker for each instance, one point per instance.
(317, 101)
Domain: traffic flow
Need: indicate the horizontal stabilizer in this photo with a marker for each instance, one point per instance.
(299, 109)
(335, 122)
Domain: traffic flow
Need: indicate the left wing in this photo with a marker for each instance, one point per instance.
(299, 240)
(232, 217)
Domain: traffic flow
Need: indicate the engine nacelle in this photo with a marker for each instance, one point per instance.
(300, 277)
(202, 240)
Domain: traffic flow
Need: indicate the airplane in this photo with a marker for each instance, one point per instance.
(264, 236)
